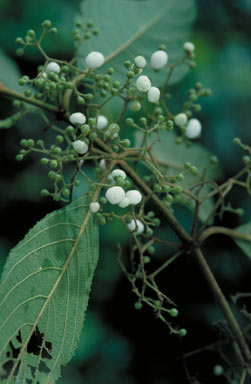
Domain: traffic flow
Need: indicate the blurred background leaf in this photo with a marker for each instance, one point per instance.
(131, 28)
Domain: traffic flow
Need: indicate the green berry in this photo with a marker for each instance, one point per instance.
(77, 183)
(126, 143)
(66, 192)
(27, 93)
(147, 259)
(59, 139)
(116, 84)
(237, 141)
(93, 136)
(137, 305)
(149, 232)
(135, 106)
(129, 121)
(46, 24)
(20, 52)
(53, 163)
(19, 157)
(24, 143)
(30, 143)
(182, 332)
(103, 200)
(151, 250)
(173, 312)
(44, 192)
(114, 128)
(127, 64)
(85, 129)
(31, 33)
(19, 41)
(44, 161)
(80, 100)
(178, 189)
(169, 125)
(110, 71)
(70, 129)
(246, 159)
(214, 160)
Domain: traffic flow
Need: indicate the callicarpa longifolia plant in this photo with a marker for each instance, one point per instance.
(47, 279)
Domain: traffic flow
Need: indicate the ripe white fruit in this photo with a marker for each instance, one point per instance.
(159, 59)
(95, 60)
(118, 172)
(102, 122)
(102, 164)
(143, 83)
(94, 207)
(193, 128)
(53, 67)
(124, 203)
(132, 226)
(80, 146)
(115, 195)
(189, 47)
(153, 95)
(77, 118)
(134, 196)
(180, 119)
(140, 61)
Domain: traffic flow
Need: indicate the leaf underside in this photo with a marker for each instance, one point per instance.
(44, 295)
(244, 245)
(132, 28)
(9, 72)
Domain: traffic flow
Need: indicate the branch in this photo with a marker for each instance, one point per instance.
(225, 308)
(224, 231)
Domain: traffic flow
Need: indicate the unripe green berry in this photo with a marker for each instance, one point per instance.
(59, 139)
(87, 36)
(130, 74)
(70, 129)
(149, 231)
(44, 192)
(19, 157)
(20, 52)
(246, 159)
(77, 183)
(52, 175)
(116, 84)
(110, 71)
(182, 332)
(147, 259)
(137, 305)
(27, 93)
(127, 184)
(126, 143)
(93, 136)
(24, 143)
(53, 163)
(237, 141)
(19, 41)
(44, 161)
(151, 250)
(30, 143)
(156, 221)
(85, 129)
(46, 24)
(56, 197)
(178, 189)
(214, 160)
(103, 200)
(129, 121)
(135, 106)
(66, 192)
(114, 128)
(169, 198)
(173, 312)
(127, 64)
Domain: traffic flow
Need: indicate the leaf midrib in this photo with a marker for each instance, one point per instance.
(140, 32)
(83, 227)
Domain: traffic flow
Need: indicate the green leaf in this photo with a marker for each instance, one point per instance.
(9, 72)
(131, 28)
(10, 121)
(44, 294)
(172, 157)
(244, 245)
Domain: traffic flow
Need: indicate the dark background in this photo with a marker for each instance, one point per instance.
(120, 344)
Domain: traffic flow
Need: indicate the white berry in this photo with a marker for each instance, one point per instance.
(124, 203)
(143, 83)
(115, 195)
(95, 60)
(94, 207)
(140, 61)
(80, 146)
(77, 118)
(132, 226)
(102, 164)
(102, 122)
(153, 95)
(189, 47)
(53, 67)
(134, 196)
(193, 128)
(159, 59)
(180, 119)
(118, 172)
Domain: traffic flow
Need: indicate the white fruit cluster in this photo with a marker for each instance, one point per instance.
(153, 95)
(193, 129)
(94, 60)
(143, 84)
(136, 224)
(94, 206)
(189, 47)
(52, 67)
(159, 59)
(180, 119)
(77, 118)
(80, 147)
